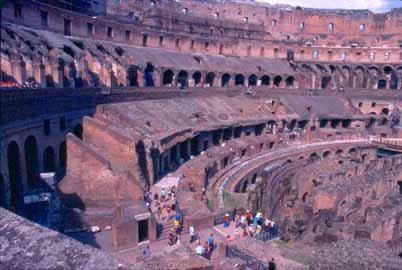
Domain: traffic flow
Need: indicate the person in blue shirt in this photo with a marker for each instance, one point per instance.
(211, 241)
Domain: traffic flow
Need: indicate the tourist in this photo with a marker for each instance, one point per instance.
(146, 253)
(237, 233)
(179, 217)
(177, 226)
(203, 192)
(226, 220)
(173, 204)
(243, 220)
(237, 219)
(171, 239)
(211, 241)
(208, 251)
(272, 264)
(193, 234)
(163, 194)
(249, 217)
(200, 250)
(245, 234)
(191, 187)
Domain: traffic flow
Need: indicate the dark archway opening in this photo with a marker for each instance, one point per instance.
(14, 172)
(277, 81)
(48, 160)
(78, 131)
(31, 160)
(265, 80)
(182, 79)
(325, 82)
(225, 79)
(209, 80)
(239, 79)
(197, 78)
(63, 155)
(290, 82)
(382, 84)
(252, 80)
(149, 75)
(168, 77)
(132, 76)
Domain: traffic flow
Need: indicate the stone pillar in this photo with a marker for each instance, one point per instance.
(39, 74)
(399, 82)
(57, 75)
(19, 72)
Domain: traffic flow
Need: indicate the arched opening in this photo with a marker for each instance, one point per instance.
(63, 155)
(314, 156)
(14, 172)
(385, 111)
(168, 78)
(31, 160)
(323, 123)
(78, 131)
(382, 84)
(352, 150)
(277, 81)
(149, 75)
(225, 79)
(325, 82)
(254, 178)
(326, 154)
(244, 187)
(239, 79)
(48, 160)
(371, 122)
(2, 192)
(265, 80)
(335, 123)
(197, 78)
(182, 79)
(209, 79)
(252, 80)
(290, 82)
(339, 152)
(346, 123)
(132, 76)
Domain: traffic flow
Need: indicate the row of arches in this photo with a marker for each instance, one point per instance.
(183, 79)
(24, 165)
(360, 77)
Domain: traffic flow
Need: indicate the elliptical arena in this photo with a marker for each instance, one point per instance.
(229, 107)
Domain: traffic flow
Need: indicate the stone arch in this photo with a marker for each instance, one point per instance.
(326, 154)
(346, 123)
(15, 176)
(346, 71)
(384, 111)
(209, 79)
(339, 152)
(352, 150)
(168, 77)
(182, 78)
(382, 84)
(265, 80)
(314, 155)
(31, 160)
(132, 76)
(197, 78)
(49, 160)
(290, 81)
(225, 79)
(252, 80)
(149, 76)
(359, 77)
(63, 155)
(78, 131)
(239, 79)
(277, 81)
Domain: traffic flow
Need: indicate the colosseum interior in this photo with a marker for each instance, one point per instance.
(130, 128)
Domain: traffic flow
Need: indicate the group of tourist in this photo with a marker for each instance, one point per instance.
(165, 202)
(174, 235)
(206, 249)
(248, 224)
